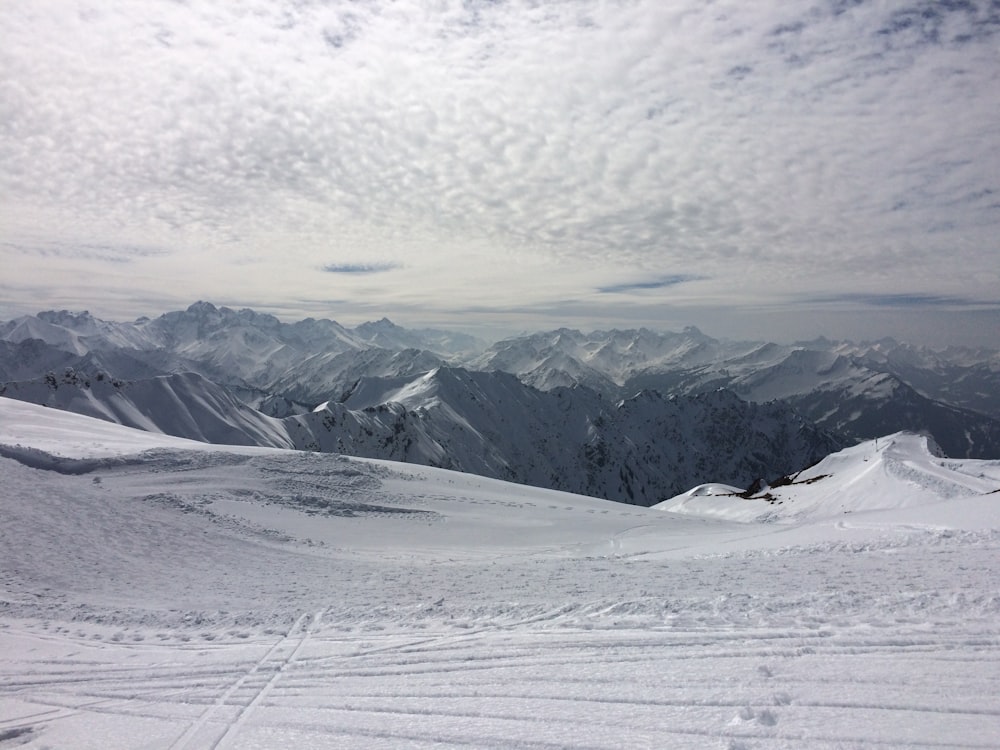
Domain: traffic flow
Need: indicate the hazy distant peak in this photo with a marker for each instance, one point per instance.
(382, 325)
(201, 307)
(64, 317)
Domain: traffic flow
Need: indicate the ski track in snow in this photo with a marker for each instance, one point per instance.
(205, 599)
(518, 686)
(785, 650)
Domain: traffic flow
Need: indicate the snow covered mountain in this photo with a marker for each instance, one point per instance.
(173, 595)
(185, 405)
(320, 377)
(959, 376)
(603, 360)
(856, 390)
(32, 358)
(635, 450)
(623, 362)
(233, 347)
(77, 333)
(638, 450)
(384, 334)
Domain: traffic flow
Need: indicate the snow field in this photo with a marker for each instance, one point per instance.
(200, 597)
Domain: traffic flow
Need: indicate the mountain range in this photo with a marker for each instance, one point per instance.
(639, 450)
(634, 415)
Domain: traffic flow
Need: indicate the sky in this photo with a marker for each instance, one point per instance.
(770, 170)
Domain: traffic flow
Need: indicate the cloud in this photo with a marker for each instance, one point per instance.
(111, 253)
(359, 268)
(908, 301)
(505, 154)
(660, 283)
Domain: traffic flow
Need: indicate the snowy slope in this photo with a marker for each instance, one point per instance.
(181, 405)
(194, 596)
(890, 476)
(317, 378)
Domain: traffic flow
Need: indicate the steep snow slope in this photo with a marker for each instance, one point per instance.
(60, 433)
(321, 377)
(195, 596)
(30, 327)
(181, 405)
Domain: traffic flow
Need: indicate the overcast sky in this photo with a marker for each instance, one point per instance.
(769, 169)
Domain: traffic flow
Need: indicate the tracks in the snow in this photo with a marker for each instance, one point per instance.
(534, 688)
(257, 682)
(527, 684)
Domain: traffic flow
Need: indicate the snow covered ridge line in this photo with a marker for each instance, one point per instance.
(858, 391)
(71, 435)
(640, 450)
(203, 321)
(892, 473)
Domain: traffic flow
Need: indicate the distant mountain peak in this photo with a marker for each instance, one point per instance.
(382, 326)
(202, 307)
(56, 316)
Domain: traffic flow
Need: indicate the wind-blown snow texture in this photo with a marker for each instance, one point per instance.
(162, 593)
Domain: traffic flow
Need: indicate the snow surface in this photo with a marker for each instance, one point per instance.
(162, 593)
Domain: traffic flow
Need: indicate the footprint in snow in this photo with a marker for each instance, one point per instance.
(766, 718)
(746, 715)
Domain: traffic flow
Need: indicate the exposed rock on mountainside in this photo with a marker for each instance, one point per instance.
(640, 450)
